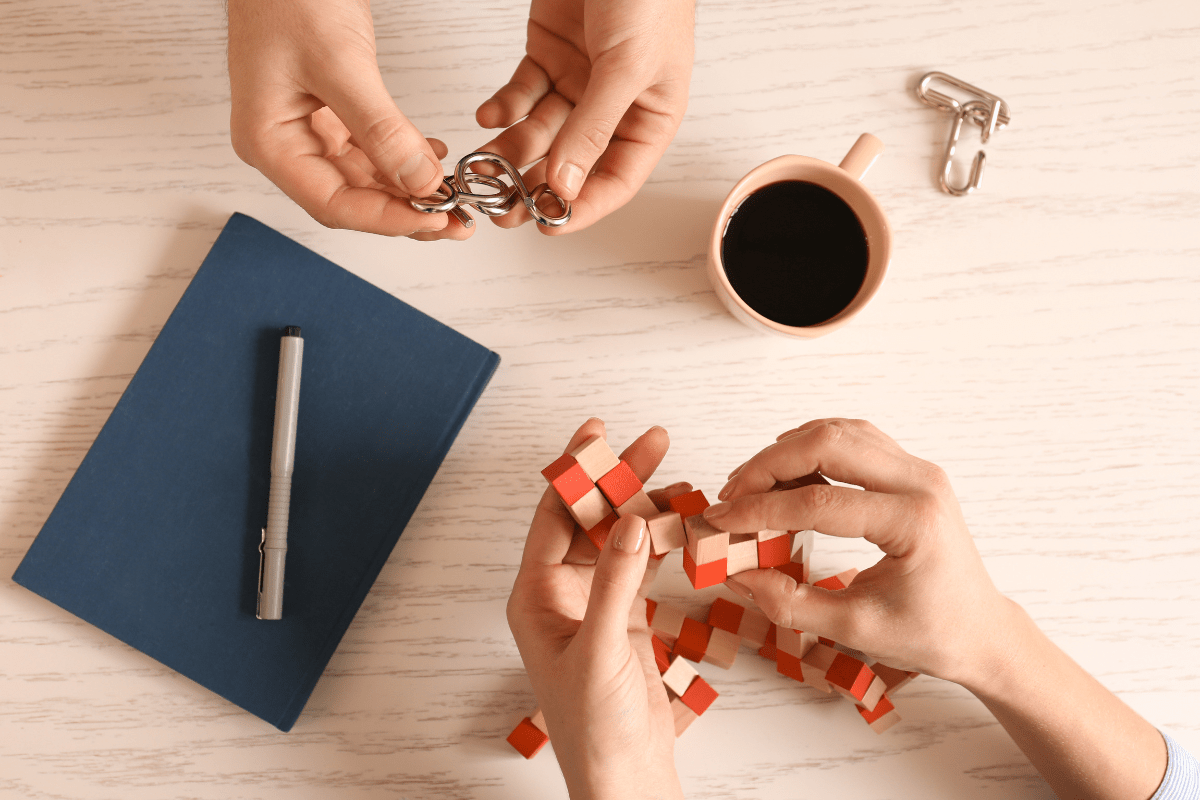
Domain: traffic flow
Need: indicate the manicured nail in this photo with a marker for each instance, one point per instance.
(679, 485)
(416, 172)
(727, 490)
(571, 177)
(740, 588)
(629, 532)
(346, 148)
(717, 511)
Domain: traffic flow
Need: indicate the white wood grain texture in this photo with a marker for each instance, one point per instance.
(1038, 339)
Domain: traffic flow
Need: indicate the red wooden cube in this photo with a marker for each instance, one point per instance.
(699, 695)
(725, 615)
(618, 484)
(692, 640)
(690, 504)
(568, 479)
(526, 739)
(704, 575)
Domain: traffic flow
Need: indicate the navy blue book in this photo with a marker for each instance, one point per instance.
(155, 539)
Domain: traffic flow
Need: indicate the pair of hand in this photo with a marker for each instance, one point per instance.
(927, 605)
(585, 642)
(592, 106)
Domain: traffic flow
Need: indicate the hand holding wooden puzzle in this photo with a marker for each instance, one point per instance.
(927, 606)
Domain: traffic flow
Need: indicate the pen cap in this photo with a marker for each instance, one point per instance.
(287, 403)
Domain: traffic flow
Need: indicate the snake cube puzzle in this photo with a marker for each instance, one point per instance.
(598, 488)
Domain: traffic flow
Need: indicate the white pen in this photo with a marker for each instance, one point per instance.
(283, 452)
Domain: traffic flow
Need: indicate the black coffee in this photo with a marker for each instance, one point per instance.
(795, 252)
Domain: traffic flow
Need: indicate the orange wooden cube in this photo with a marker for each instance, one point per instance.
(704, 575)
(726, 615)
(768, 649)
(693, 640)
(662, 654)
(699, 695)
(849, 676)
(568, 479)
(882, 717)
(619, 483)
(526, 739)
(775, 552)
(690, 504)
(598, 535)
(836, 583)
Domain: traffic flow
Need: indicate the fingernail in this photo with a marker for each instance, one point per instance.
(416, 172)
(717, 511)
(727, 490)
(571, 178)
(740, 588)
(679, 485)
(629, 532)
(346, 148)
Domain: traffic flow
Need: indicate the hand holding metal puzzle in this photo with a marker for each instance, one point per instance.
(455, 192)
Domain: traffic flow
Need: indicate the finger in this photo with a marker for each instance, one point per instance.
(615, 583)
(553, 527)
(530, 139)
(884, 520)
(620, 172)
(292, 157)
(357, 94)
(662, 497)
(439, 147)
(647, 452)
(837, 450)
(798, 606)
(515, 99)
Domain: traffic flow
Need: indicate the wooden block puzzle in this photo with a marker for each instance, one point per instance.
(816, 663)
(598, 534)
(684, 716)
(667, 622)
(774, 551)
(849, 676)
(595, 457)
(662, 654)
(704, 575)
(787, 664)
(699, 695)
(527, 739)
(692, 641)
(753, 628)
(705, 543)
(793, 642)
(895, 679)
(639, 504)
(836, 583)
(743, 553)
(591, 509)
(591, 476)
(568, 479)
(679, 676)
(690, 504)
(882, 717)
(722, 648)
(666, 532)
(726, 615)
(618, 484)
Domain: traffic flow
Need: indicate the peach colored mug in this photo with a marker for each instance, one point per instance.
(844, 181)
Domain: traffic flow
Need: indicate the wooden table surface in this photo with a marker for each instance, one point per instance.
(1038, 339)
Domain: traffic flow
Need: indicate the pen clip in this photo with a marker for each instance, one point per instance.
(261, 571)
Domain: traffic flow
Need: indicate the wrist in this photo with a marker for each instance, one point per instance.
(998, 667)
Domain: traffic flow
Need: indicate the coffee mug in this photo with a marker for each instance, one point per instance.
(800, 245)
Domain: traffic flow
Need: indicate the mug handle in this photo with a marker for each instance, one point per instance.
(862, 155)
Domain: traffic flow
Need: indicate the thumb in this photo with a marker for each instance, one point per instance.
(615, 583)
(798, 606)
(585, 135)
(392, 143)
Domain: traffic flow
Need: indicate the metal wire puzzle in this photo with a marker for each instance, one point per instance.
(988, 111)
(455, 192)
